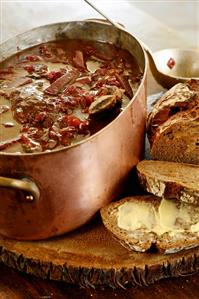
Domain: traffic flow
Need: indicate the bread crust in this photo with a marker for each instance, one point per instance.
(170, 180)
(141, 240)
(181, 97)
(177, 139)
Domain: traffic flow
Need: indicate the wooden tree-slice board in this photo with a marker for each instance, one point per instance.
(90, 256)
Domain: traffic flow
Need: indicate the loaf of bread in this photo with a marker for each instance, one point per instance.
(173, 125)
(177, 139)
(168, 219)
(146, 222)
(170, 180)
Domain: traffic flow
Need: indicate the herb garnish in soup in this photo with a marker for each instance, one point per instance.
(56, 94)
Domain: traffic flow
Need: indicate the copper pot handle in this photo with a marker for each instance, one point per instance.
(24, 185)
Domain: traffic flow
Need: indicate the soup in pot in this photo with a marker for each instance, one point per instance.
(58, 93)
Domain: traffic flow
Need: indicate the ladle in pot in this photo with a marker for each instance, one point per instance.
(168, 66)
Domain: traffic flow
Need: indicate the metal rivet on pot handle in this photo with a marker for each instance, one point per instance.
(24, 184)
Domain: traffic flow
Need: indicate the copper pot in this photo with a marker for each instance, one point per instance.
(47, 194)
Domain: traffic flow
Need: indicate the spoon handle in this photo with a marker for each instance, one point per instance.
(155, 72)
(118, 26)
(103, 14)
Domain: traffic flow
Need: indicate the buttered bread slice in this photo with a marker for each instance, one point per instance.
(142, 222)
(170, 179)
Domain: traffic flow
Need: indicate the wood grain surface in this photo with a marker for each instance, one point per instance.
(91, 257)
(16, 285)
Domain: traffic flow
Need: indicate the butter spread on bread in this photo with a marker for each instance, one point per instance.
(142, 222)
(168, 218)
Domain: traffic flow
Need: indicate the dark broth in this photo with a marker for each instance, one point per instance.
(56, 94)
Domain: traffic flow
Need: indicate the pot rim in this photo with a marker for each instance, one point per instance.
(87, 139)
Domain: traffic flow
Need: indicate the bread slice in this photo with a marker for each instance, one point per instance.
(177, 139)
(141, 223)
(170, 180)
(181, 97)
